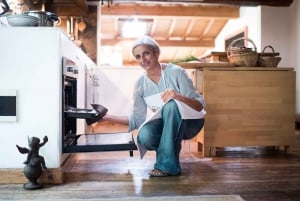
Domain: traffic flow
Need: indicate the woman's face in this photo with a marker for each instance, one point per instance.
(145, 56)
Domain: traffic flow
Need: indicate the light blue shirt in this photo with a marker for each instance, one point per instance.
(173, 77)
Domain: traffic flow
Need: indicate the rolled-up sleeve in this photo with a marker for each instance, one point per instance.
(139, 112)
(186, 87)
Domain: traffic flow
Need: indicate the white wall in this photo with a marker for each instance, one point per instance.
(282, 32)
(294, 48)
(115, 88)
(250, 18)
(275, 32)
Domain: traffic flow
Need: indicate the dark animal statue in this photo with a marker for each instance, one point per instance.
(34, 164)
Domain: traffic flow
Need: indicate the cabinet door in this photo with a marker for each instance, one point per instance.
(249, 108)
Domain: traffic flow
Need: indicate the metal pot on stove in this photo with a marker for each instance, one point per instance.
(46, 19)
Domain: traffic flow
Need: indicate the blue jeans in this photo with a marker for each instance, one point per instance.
(165, 135)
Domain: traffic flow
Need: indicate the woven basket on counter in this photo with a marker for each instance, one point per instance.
(268, 61)
(242, 56)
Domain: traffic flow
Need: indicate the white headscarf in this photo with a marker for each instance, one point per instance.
(146, 40)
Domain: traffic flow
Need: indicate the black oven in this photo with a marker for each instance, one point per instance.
(70, 101)
(82, 142)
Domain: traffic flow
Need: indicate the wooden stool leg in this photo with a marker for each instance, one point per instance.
(212, 151)
(286, 149)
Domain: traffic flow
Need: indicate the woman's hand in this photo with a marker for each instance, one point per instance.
(172, 94)
(168, 95)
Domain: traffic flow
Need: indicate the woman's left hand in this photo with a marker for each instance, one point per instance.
(168, 95)
(172, 94)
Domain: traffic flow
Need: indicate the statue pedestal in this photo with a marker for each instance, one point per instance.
(32, 186)
(32, 173)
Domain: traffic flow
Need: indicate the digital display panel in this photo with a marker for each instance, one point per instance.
(8, 105)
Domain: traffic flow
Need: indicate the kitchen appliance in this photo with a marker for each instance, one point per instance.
(45, 18)
(8, 105)
(80, 142)
(17, 20)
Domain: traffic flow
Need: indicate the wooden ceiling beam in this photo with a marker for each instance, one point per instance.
(82, 4)
(67, 10)
(171, 11)
(68, 7)
(163, 43)
(187, 43)
(200, 8)
(278, 3)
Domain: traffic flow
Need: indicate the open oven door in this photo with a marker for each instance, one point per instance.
(96, 142)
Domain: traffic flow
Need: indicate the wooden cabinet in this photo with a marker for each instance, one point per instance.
(247, 107)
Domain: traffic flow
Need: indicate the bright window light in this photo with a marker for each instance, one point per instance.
(134, 28)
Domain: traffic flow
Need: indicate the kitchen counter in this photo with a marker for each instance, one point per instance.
(199, 65)
(246, 106)
(31, 67)
(227, 66)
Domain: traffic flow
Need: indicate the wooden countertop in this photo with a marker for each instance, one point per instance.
(251, 69)
(189, 65)
(228, 66)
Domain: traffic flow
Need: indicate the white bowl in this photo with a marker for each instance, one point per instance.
(17, 20)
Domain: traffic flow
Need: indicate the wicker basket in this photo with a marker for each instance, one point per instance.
(268, 61)
(242, 56)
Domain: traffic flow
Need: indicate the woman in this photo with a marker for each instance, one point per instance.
(166, 88)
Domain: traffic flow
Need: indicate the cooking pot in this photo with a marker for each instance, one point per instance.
(46, 19)
(22, 20)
